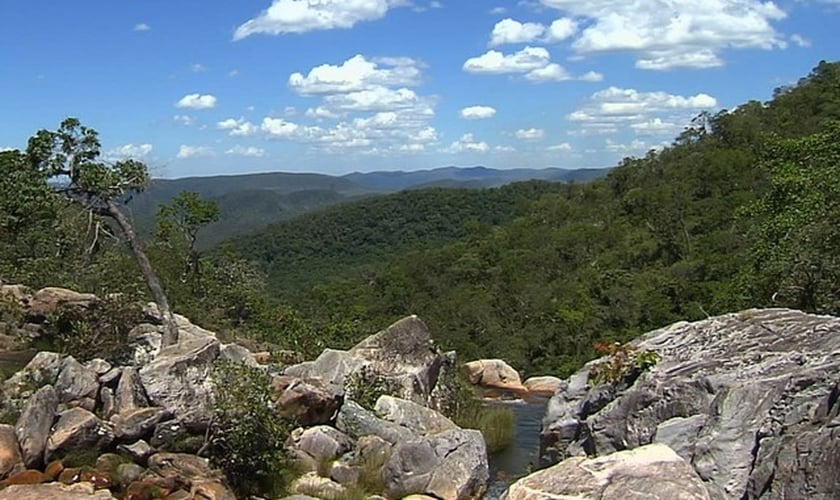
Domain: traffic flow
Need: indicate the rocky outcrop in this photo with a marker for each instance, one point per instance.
(751, 400)
(542, 386)
(494, 374)
(55, 491)
(651, 472)
(10, 456)
(34, 425)
(47, 300)
(307, 401)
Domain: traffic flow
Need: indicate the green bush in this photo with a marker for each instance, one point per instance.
(247, 436)
(366, 386)
(623, 362)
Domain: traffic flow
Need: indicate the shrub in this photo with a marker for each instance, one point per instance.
(365, 386)
(247, 436)
(624, 362)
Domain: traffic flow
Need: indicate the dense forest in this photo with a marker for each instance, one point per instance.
(740, 211)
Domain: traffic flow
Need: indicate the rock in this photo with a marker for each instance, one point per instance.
(55, 491)
(19, 293)
(344, 474)
(33, 426)
(47, 300)
(749, 399)
(403, 353)
(168, 433)
(652, 472)
(127, 473)
(41, 370)
(107, 402)
(75, 381)
(372, 448)
(110, 377)
(451, 466)
(238, 354)
(543, 386)
(77, 429)
(211, 490)
(134, 424)
(356, 422)
(9, 450)
(144, 342)
(418, 419)
(262, 357)
(139, 451)
(494, 373)
(54, 469)
(322, 442)
(179, 380)
(306, 401)
(130, 393)
(98, 365)
(182, 466)
(108, 462)
(314, 485)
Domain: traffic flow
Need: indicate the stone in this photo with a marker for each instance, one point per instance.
(77, 429)
(41, 370)
(110, 377)
(237, 354)
(495, 374)
(344, 474)
(167, 433)
(29, 476)
(10, 455)
(749, 399)
(75, 381)
(543, 386)
(99, 366)
(127, 473)
(138, 451)
(33, 426)
(451, 465)
(418, 419)
(321, 487)
(47, 300)
(651, 472)
(107, 402)
(356, 421)
(54, 469)
(182, 466)
(19, 293)
(322, 442)
(144, 342)
(211, 490)
(55, 491)
(306, 401)
(179, 380)
(130, 393)
(134, 424)
(108, 462)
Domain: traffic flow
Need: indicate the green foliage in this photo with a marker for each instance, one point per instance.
(365, 386)
(624, 362)
(247, 437)
(98, 332)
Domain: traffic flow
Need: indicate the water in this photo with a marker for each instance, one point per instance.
(516, 461)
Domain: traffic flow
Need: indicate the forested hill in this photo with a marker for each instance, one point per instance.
(740, 211)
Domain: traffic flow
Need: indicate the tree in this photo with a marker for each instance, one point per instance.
(69, 161)
(185, 216)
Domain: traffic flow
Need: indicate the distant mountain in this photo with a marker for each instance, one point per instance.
(469, 177)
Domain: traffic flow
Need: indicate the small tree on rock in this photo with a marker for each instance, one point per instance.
(69, 160)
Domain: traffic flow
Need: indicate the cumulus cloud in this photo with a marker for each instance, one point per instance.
(532, 62)
(197, 101)
(512, 31)
(666, 34)
(184, 119)
(561, 29)
(530, 134)
(237, 127)
(186, 151)
(801, 41)
(126, 151)
(142, 27)
(278, 128)
(468, 144)
(478, 112)
(251, 151)
(551, 72)
(300, 16)
(356, 73)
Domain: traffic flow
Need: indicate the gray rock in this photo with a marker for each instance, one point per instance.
(110, 377)
(128, 473)
(418, 419)
(306, 401)
(54, 491)
(356, 422)
(75, 381)
(738, 396)
(451, 465)
(179, 380)
(41, 370)
(77, 429)
(167, 433)
(130, 394)
(98, 365)
(134, 424)
(33, 426)
(9, 450)
(183, 466)
(344, 474)
(238, 354)
(144, 343)
(652, 472)
(322, 442)
(139, 451)
(320, 487)
(107, 402)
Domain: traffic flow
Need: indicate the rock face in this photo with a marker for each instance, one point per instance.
(494, 373)
(652, 472)
(34, 424)
(751, 400)
(9, 450)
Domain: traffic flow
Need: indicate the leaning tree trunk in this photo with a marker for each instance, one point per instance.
(170, 333)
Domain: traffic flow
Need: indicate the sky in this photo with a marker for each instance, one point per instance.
(333, 86)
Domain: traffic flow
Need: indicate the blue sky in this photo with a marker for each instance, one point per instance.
(207, 87)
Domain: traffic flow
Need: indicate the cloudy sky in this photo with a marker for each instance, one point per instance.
(219, 86)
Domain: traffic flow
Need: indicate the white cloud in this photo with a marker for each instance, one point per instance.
(184, 119)
(238, 127)
(198, 68)
(552, 72)
(478, 112)
(434, 4)
(300, 16)
(591, 76)
(801, 41)
(197, 101)
(251, 151)
(322, 113)
(357, 73)
(495, 62)
(635, 146)
(561, 29)
(468, 144)
(185, 151)
(127, 151)
(142, 27)
(530, 134)
(511, 31)
(666, 34)
(278, 128)
(565, 146)
(504, 149)
(497, 11)
(376, 99)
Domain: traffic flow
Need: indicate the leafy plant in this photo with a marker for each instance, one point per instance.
(365, 386)
(624, 361)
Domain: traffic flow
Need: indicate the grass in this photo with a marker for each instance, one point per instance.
(497, 424)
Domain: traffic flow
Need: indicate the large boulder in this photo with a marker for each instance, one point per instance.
(495, 374)
(179, 380)
(321, 442)
(543, 386)
(451, 465)
(10, 455)
(55, 491)
(403, 355)
(34, 425)
(77, 429)
(749, 399)
(47, 300)
(75, 381)
(356, 421)
(652, 472)
(418, 419)
(306, 401)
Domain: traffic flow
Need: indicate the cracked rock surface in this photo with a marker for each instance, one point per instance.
(751, 400)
